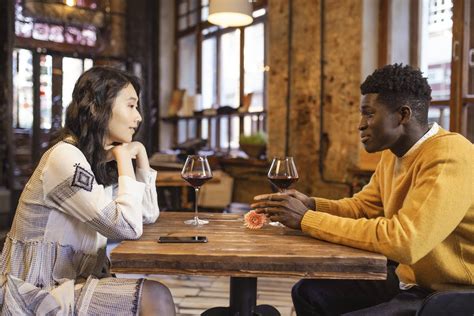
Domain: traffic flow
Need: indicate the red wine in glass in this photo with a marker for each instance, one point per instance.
(196, 171)
(283, 173)
(196, 180)
(282, 182)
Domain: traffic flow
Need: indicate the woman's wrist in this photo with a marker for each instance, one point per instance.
(142, 159)
(125, 168)
(124, 162)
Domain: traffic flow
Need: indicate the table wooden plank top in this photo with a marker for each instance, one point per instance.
(234, 250)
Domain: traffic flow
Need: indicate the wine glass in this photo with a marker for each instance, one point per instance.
(282, 173)
(196, 172)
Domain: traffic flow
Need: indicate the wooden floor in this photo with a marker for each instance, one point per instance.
(194, 294)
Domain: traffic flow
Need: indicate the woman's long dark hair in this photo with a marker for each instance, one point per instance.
(88, 115)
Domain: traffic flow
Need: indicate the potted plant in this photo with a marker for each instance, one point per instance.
(253, 145)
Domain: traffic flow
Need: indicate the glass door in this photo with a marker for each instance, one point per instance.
(23, 89)
(31, 110)
(42, 89)
(22, 115)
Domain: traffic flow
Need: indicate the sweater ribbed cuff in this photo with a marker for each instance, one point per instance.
(322, 205)
(311, 221)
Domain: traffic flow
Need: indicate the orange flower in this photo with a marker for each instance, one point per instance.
(254, 220)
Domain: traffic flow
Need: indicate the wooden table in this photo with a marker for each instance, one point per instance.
(242, 254)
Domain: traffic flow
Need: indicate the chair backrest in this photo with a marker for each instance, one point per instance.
(2, 242)
(457, 303)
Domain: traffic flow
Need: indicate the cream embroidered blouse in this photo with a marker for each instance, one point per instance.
(64, 218)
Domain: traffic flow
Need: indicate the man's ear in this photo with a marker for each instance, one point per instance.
(405, 114)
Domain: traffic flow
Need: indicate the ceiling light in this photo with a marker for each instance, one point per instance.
(230, 12)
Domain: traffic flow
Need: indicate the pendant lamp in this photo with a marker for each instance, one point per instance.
(230, 12)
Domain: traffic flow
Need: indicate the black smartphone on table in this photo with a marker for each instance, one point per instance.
(187, 239)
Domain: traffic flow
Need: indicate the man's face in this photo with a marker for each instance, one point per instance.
(379, 126)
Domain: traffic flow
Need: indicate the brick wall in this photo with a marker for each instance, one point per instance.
(342, 76)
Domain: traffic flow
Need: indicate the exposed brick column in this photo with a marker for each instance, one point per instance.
(342, 70)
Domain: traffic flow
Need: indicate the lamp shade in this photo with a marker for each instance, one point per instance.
(230, 12)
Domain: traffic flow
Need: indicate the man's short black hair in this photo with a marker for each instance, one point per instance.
(397, 85)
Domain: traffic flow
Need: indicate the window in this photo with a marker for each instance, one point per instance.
(46, 92)
(223, 67)
(438, 40)
(45, 71)
(187, 64)
(22, 88)
(72, 69)
(229, 67)
(209, 73)
(435, 58)
(254, 65)
(188, 13)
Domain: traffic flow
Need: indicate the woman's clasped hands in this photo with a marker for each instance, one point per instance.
(124, 153)
(132, 150)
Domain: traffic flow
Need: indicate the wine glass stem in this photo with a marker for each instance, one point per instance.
(196, 190)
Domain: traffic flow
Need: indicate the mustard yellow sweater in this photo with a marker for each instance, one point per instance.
(417, 210)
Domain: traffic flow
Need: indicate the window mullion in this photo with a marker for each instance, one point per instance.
(242, 77)
(218, 69)
(456, 66)
(199, 39)
(242, 70)
(36, 109)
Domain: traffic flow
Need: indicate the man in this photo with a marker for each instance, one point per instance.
(417, 210)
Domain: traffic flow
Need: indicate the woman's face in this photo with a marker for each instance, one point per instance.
(125, 117)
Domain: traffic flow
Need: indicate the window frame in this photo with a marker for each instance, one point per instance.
(57, 51)
(463, 26)
(197, 30)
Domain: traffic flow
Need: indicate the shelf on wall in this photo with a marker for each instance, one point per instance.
(208, 116)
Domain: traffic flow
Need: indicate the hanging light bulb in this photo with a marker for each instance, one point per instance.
(230, 12)
(71, 3)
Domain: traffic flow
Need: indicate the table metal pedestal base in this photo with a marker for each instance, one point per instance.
(243, 301)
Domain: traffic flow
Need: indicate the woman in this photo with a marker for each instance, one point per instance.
(83, 191)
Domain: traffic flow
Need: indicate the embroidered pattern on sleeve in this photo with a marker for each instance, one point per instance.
(82, 178)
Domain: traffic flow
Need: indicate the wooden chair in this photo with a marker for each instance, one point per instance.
(460, 303)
